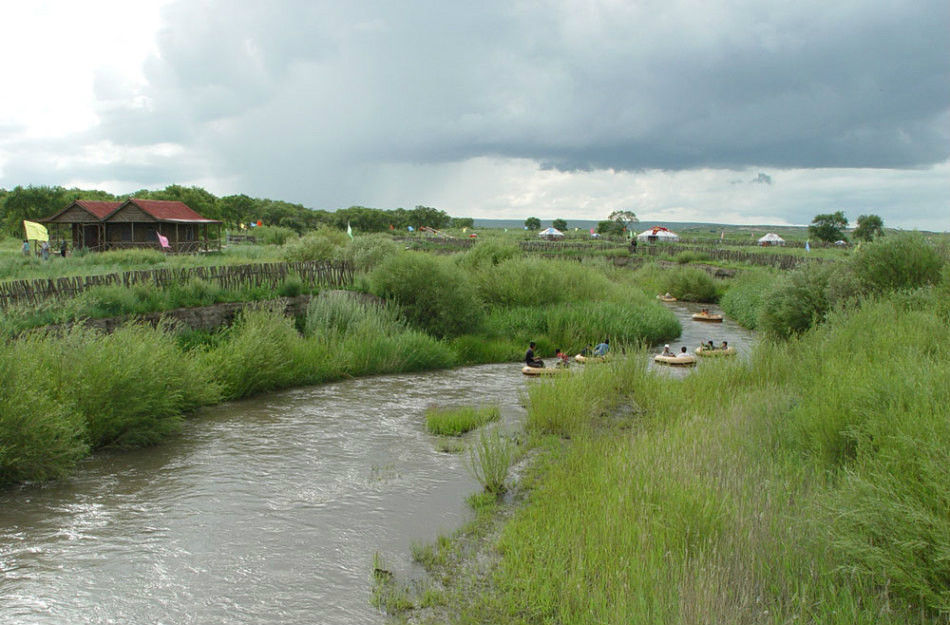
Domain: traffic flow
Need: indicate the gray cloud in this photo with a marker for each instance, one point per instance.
(307, 100)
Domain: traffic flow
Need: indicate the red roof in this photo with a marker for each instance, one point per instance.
(165, 210)
(99, 209)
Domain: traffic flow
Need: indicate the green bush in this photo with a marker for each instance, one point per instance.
(690, 256)
(367, 252)
(539, 282)
(40, 437)
(490, 458)
(324, 244)
(273, 235)
(906, 260)
(797, 303)
(746, 296)
(132, 386)
(689, 284)
(433, 292)
(489, 253)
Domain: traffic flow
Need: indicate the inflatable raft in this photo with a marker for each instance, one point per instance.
(589, 360)
(543, 371)
(684, 359)
(705, 351)
(706, 317)
(665, 298)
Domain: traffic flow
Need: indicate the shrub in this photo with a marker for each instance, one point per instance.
(903, 261)
(690, 284)
(489, 253)
(324, 244)
(797, 303)
(539, 282)
(746, 297)
(490, 459)
(433, 292)
(273, 235)
(367, 252)
(689, 256)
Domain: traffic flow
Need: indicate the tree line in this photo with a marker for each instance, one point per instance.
(37, 202)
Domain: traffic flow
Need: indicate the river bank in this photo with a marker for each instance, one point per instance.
(792, 487)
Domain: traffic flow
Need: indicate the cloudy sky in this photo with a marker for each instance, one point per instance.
(724, 111)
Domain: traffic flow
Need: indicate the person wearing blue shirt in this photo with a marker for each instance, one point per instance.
(601, 349)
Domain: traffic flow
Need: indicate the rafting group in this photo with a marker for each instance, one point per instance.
(683, 357)
(533, 365)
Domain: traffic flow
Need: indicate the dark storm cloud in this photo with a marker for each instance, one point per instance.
(571, 85)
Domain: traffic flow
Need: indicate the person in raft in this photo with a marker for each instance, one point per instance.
(562, 359)
(667, 351)
(683, 351)
(587, 351)
(601, 349)
(709, 345)
(725, 345)
(530, 359)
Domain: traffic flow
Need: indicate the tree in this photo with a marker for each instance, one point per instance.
(559, 224)
(532, 223)
(869, 226)
(609, 228)
(624, 219)
(829, 228)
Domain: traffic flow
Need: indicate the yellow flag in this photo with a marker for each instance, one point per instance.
(35, 231)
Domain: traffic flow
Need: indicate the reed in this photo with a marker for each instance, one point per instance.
(490, 458)
(728, 497)
(455, 421)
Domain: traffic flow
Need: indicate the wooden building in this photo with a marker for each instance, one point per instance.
(136, 224)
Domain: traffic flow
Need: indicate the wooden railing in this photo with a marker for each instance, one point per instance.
(271, 275)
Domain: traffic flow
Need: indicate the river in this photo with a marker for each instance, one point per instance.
(266, 510)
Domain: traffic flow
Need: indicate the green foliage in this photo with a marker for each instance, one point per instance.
(367, 252)
(869, 227)
(903, 261)
(490, 459)
(689, 284)
(828, 228)
(261, 352)
(488, 254)
(797, 303)
(746, 296)
(534, 281)
(532, 223)
(690, 256)
(40, 438)
(324, 244)
(273, 235)
(433, 292)
(559, 224)
(456, 421)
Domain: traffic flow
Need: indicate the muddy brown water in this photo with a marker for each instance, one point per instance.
(267, 510)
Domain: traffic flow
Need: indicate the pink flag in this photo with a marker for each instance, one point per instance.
(163, 240)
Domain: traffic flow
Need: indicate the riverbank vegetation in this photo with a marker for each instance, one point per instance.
(455, 421)
(807, 483)
(69, 392)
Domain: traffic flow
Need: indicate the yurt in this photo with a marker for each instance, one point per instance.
(551, 234)
(658, 234)
(771, 239)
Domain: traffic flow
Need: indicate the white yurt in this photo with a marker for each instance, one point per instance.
(658, 234)
(771, 239)
(551, 234)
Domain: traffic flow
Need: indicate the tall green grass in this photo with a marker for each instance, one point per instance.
(458, 420)
(809, 484)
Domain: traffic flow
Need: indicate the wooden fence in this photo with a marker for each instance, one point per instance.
(271, 275)
(782, 261)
